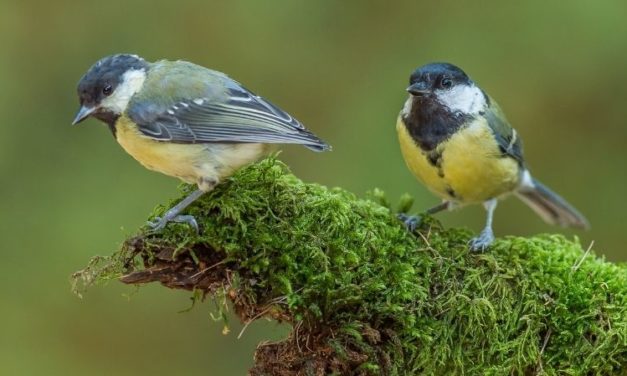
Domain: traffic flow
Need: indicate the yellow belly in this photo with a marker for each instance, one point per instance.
(471, 167)
(192, 163)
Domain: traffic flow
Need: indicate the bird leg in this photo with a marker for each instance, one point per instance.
(172, 215)
(411, 222)
(481, 242)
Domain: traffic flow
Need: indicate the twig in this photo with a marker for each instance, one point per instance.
(578, 263)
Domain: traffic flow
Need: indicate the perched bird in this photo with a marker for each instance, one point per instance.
(457, 141)
(185, 121)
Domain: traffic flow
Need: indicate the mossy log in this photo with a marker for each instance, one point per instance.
(364, 296)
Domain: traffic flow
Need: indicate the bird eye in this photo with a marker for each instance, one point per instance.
(107, 90)
(446, 83)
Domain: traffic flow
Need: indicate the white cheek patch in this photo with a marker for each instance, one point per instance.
(407, 106)
(132, 82)
(467, 99)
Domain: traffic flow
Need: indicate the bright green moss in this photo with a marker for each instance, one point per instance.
(379, 300)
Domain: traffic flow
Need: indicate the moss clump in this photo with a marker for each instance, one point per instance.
(366, 297)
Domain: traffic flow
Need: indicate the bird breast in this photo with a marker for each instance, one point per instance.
(468, 167)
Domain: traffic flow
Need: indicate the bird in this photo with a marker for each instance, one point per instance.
(457, 141)
(185, 121)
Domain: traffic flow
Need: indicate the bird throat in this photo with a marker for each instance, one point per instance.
(429, 123)
(109, 118)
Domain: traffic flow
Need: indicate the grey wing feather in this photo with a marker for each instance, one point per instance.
(242, 117)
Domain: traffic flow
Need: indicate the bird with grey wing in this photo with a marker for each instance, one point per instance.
(185, 121)
(456, 140)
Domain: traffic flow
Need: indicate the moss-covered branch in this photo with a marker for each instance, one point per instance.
(365, 297)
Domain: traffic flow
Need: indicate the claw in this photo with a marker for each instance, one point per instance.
(172, 215)
(411, 222)
(157, 225)
(160, 222)
(483, 241)
(189, 219)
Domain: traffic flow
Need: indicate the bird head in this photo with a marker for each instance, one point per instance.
(106, 89)
(448, 86)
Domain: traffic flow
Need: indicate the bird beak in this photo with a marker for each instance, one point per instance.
(83, 114)
(418, 89)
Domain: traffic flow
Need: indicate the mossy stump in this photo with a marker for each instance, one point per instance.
(364, 297)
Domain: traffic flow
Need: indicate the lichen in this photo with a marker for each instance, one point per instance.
(364, 296)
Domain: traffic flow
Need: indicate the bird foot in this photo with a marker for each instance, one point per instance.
(411, 222)
(160, 222)
(483, 241)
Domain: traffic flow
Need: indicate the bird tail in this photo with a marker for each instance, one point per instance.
(549, 205)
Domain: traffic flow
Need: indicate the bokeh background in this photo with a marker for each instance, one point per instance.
(68, 193)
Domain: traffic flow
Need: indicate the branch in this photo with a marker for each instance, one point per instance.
(365, 297)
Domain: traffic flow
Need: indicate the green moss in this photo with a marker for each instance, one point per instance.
(365, 296)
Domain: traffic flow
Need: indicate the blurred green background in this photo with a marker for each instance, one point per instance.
(68, 193)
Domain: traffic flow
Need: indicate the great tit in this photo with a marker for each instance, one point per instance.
(185, 121)
(457, 141)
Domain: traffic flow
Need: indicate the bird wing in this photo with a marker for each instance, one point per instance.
(224, 111)
(506, 136)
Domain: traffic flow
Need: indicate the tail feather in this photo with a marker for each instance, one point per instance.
(549, 205)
